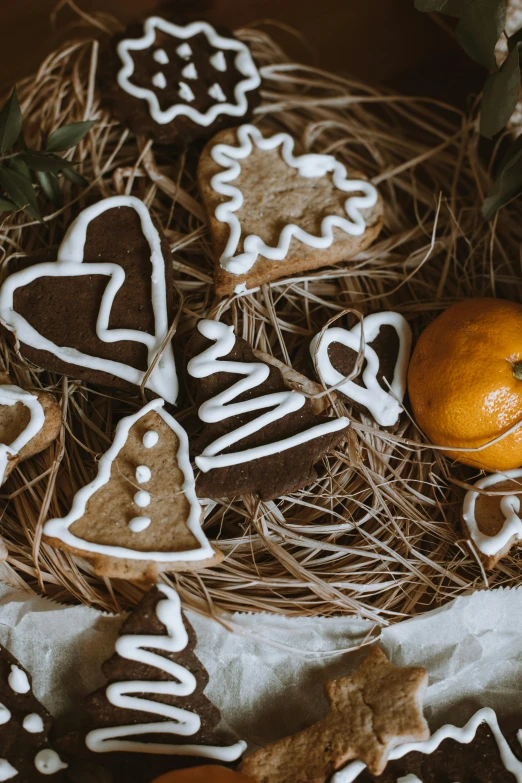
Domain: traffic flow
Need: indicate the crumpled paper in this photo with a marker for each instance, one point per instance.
(266, 677)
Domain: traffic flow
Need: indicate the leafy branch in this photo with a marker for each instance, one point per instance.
(480, 25)
(22, 168)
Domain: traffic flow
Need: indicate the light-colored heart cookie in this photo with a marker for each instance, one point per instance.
(29, 423)
(385, 406)
(140, 515)
(272, 213)
(494, 522)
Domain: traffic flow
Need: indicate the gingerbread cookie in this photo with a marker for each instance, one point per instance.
(257, 435)
(29, 423)
(179, 82)
(380, 387)
(153, 708)
(477, 753)
(26, 754)
(494, 522)
(273, 213)
(140, 515)
(102, 311)
(371, 711)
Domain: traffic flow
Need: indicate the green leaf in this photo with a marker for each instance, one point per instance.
(50, 185)
(15, 164)
(10, 122)
(6, 205)
(20, 189)
(39, 161)
(500, 96)
(508, 182)
(68, 136)
(480, 26)
(73, 176)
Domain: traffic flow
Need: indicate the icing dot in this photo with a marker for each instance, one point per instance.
(137, 524)
(142, 498)
(5, 715)
(217, 93)
(189, 71)
(184, 50)
(143, 474)
(150, 439)
(33, 723)
(218, 62)
(185, 92)
(47, 762)
(7, 770)
(18, 681)
(161, 56)
(159, 80)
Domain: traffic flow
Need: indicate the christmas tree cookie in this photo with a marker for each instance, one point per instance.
(257, 435)
(153, 715)
(140, 515)
(26, 754)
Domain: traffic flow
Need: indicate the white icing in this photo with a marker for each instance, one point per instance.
(10, 395)
(7, 771)
(216, 92)
(243, 63)
(240, 289)
(510, 507)
(48, 762)
(311, 166)
(150, 439)
(409, 779)
(179, 722)
(219, 62)
(138, 524)
(189, 71)
(159, 80)
(5, 715)
(18, 680)
(142, 498)
(184, 50)
(161, 56)
(59, 528)
(185, 92)
(163, 379)
(222, 407)
(143, 474)
(463, 735)
(384, 407)
(33, 723)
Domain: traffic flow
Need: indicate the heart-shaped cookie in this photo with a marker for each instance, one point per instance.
(101, 311)
(494, 522)
(335, 351)
(272, 213)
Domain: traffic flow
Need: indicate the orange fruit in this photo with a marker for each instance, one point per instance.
(465, 381)
(207, 774)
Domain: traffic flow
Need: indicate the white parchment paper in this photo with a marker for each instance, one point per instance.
(267, 677)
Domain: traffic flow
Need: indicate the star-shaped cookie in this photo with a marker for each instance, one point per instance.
(374, 709)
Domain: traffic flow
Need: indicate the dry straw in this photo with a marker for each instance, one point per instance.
(378, 534)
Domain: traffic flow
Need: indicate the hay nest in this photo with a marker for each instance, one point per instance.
(378, 534)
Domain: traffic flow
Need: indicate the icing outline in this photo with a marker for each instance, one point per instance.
(463, 735)
(243, 62)
(69, 263)
(510, 506)
(59, 527)
(310, 165)
(221, 406)
(136, 647)
(10, 395)
(383, 406)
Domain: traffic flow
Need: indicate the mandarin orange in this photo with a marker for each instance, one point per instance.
(207, 774)
(465, 381)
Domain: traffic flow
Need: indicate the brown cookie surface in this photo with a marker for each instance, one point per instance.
(284, 470)
(276, 195)
(176, 83)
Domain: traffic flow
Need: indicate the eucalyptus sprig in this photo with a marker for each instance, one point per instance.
(480, 25)
(21, 168)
